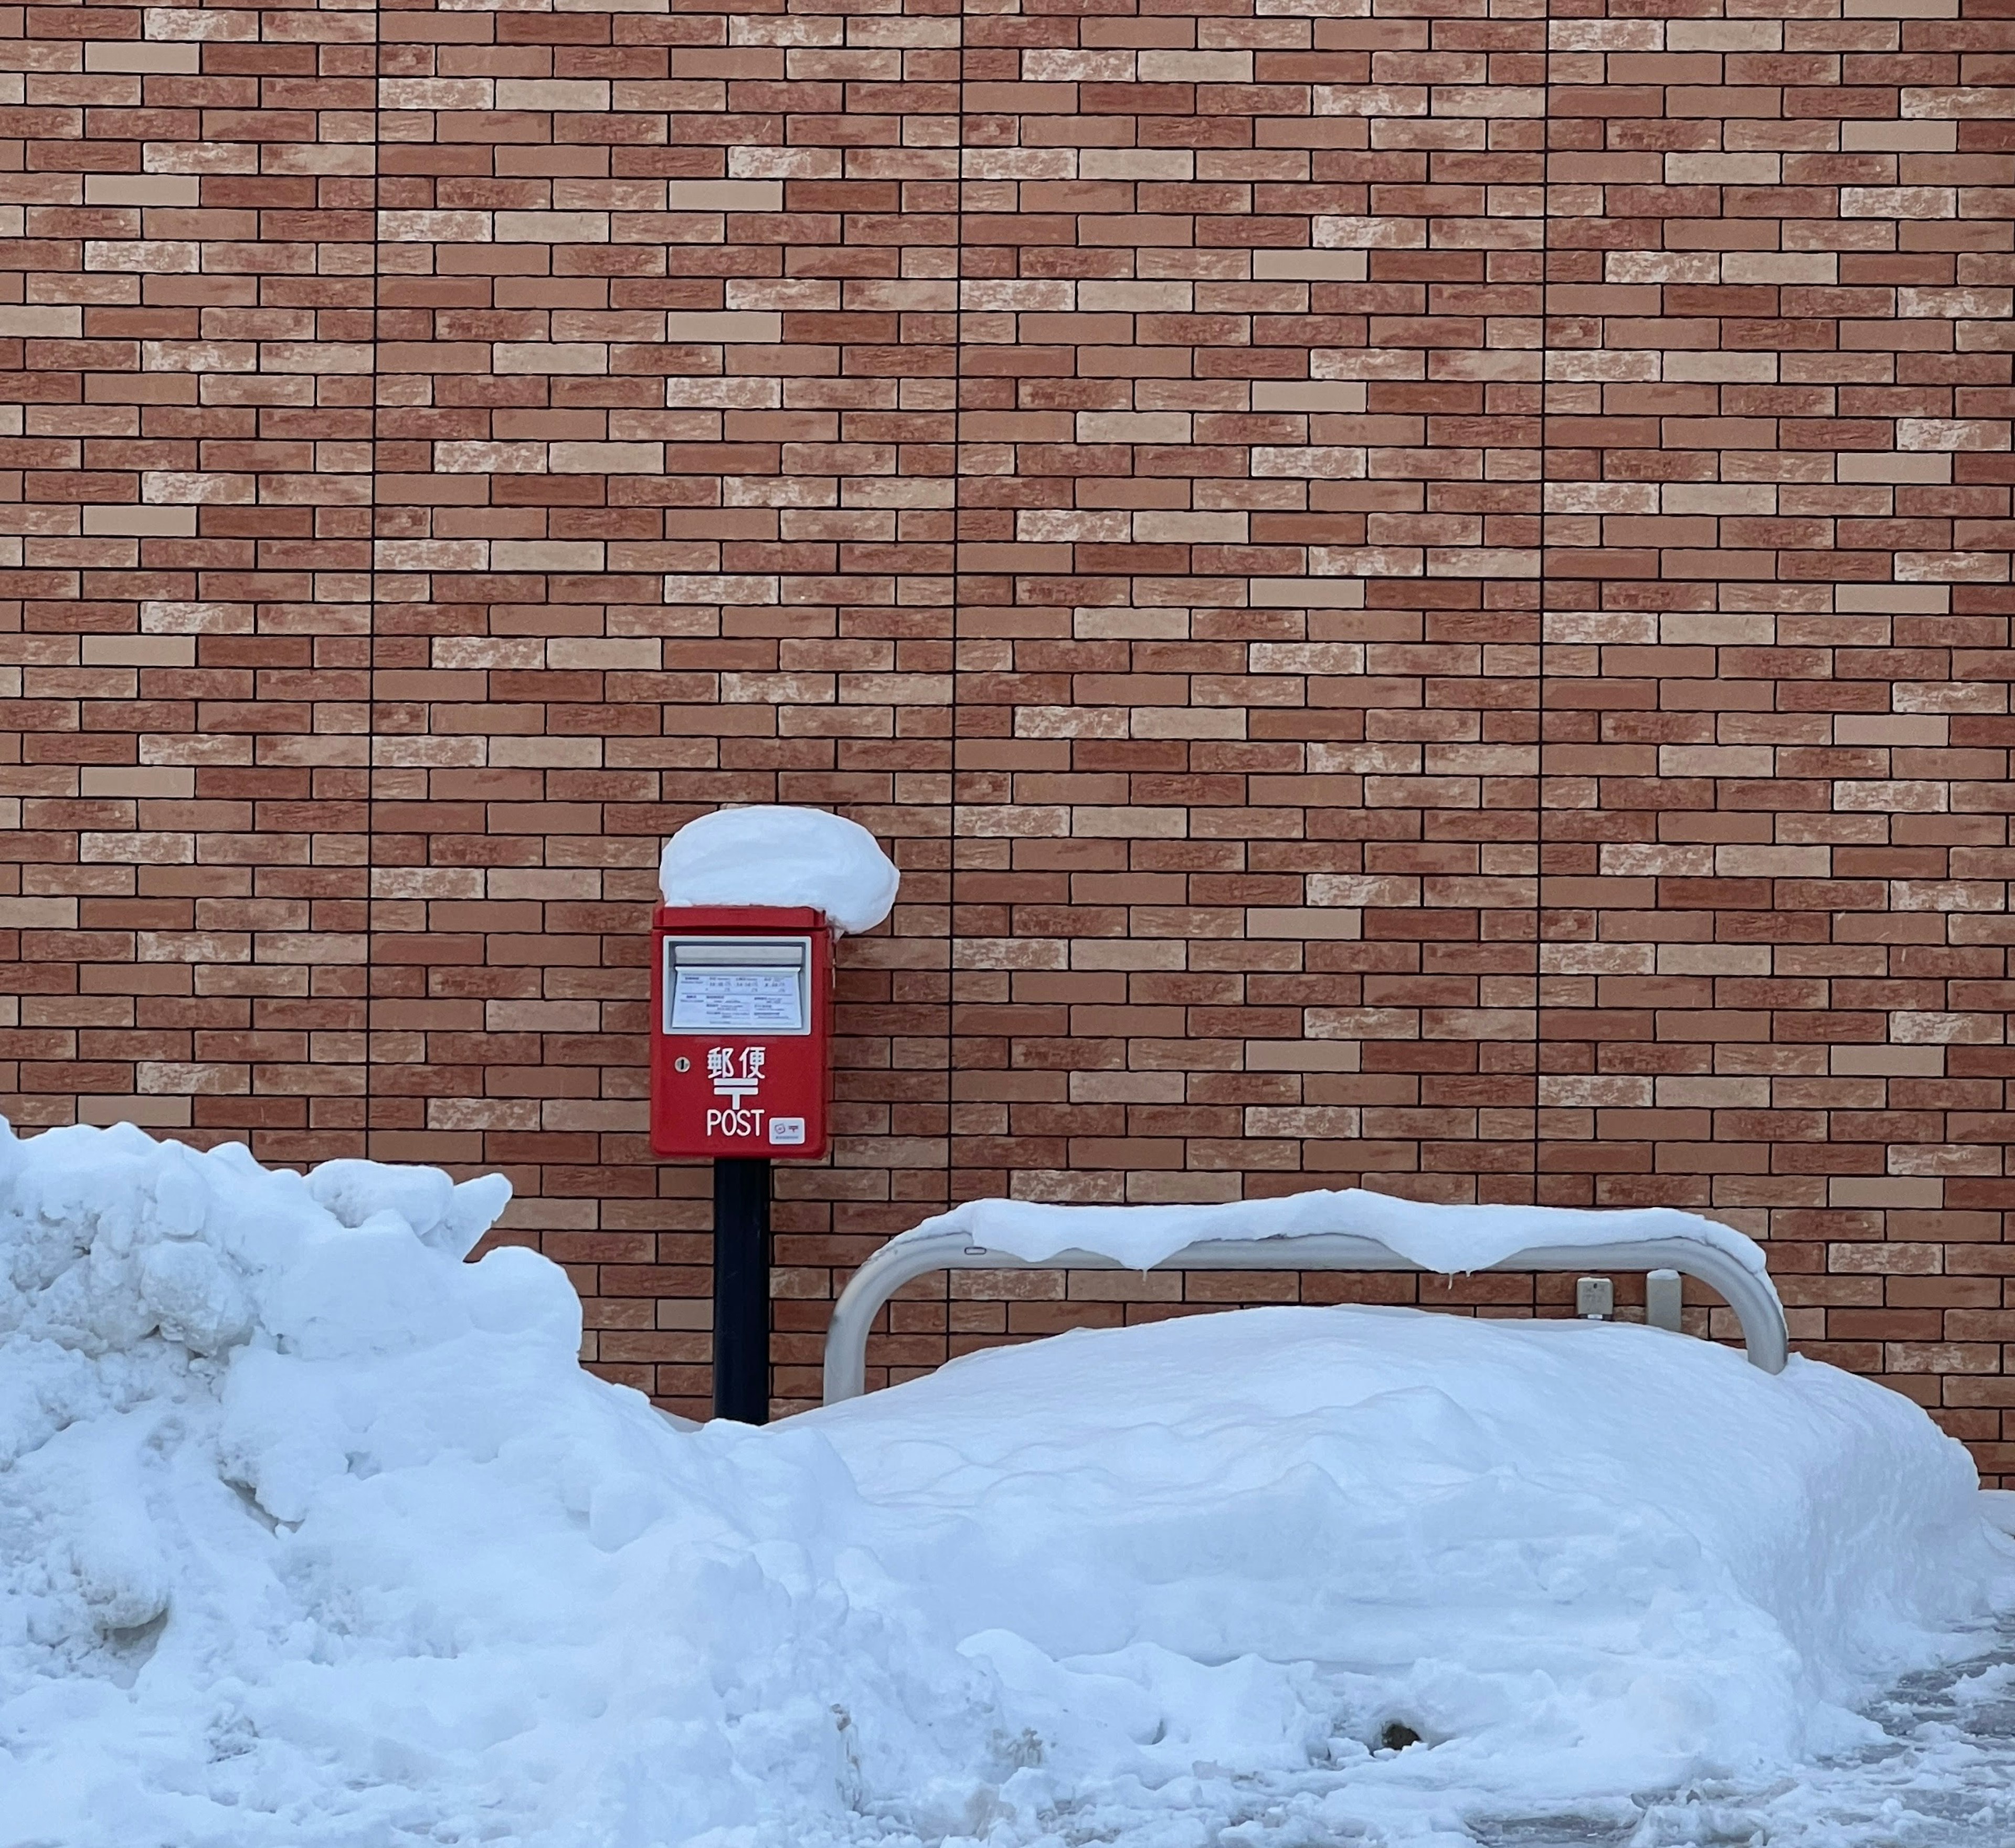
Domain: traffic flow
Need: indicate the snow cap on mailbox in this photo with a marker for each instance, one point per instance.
(742, 977)
(781, 856)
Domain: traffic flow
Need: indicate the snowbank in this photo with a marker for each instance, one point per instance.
(312, 1534)
(1573, 1557)
(1448, 1239)
(784, 857)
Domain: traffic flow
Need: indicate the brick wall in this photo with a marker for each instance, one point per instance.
(1421, 588)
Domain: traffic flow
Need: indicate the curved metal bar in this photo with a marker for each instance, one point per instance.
(1750, 1296)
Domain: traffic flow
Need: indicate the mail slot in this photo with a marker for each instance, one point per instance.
(742, 1032)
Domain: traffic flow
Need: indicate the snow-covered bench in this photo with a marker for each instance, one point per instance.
(1351, 1231)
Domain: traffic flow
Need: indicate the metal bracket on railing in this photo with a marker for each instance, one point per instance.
(904, 1260)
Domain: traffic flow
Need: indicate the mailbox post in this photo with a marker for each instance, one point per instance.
(740, 1073)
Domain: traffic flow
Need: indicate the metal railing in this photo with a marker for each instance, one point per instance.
(906, 1258)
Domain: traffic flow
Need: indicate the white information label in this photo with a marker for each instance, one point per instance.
(787, 1132)
(715, 1000)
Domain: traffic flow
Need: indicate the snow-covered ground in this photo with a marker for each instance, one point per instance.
(311, 1533)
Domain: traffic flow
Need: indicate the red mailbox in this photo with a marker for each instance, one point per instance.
(740, 1032)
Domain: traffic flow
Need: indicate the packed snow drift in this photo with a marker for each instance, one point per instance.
(312, 1533)
(781, 856)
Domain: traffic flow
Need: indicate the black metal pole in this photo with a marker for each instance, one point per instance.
(741, 1289)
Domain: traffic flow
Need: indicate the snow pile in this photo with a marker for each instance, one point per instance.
(781, 857)
(1573, 1557)
(312, 1534)
(315, 1534)
(1448, 1239)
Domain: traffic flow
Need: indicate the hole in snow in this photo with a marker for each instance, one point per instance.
(252, 1507)
(1396, 1735)
(133, 1647)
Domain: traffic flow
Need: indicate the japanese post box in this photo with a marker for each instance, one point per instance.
(741, 1031)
